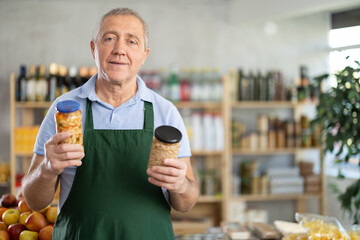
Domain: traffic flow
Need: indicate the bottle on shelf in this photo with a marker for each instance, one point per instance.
(31, 85)
(270, 86)
(217, 85)
(73, 78)
(234, 85)
(196, 143)
(303, 89)
(244, 87)
(84, 74)
(164, 80)
(261, 87)
(195, 84)
(209, 132)
(62, 87)
(251, 80)
(257, 79)
(41, 84)
(185, 85)
(219, 132)
(21, 85)
(52, 81)
(174, 84)
(206, 85)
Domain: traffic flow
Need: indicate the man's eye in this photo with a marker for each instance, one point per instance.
(108, 39)
(132, 42)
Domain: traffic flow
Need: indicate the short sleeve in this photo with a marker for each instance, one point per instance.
(46, 131)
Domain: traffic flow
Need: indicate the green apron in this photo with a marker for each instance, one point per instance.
(111, 197)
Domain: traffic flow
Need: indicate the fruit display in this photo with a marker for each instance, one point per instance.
(19, 222)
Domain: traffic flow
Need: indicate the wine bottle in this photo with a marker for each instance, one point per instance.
(73, 78)
(21, 84)
(251, 86)
(41, 84)
(62, 87)
(84, 74)
(52, 82)
(31, 85)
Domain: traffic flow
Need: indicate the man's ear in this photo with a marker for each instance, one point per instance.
(146, 55)
(92, 46)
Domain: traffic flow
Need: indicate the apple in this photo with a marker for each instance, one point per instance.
(3, 226)
(4, 235)
(51, 214)
(11, 216)
(43, 211)
(8, 200)
(2, 210)
(23, 216)
(15, 229)
(28, 235)
(35, 222)
(23, 206)
(46, 233)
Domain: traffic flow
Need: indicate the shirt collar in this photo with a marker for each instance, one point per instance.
(142, 93)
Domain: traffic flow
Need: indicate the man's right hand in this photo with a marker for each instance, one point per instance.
(60, 156)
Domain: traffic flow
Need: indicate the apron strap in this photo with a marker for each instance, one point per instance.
(148, 116)
(89, 117)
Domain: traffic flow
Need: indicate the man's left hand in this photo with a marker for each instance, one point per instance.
(171, 176)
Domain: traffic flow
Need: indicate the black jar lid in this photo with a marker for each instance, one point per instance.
(168, 134)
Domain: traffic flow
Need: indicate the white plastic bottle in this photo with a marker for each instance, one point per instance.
(196, 143)
(219, 132)
(209, 132)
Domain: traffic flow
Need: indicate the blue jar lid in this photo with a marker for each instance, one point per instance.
(67, 106)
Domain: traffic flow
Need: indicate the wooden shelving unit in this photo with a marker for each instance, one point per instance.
(21, 114)
(213, 207)
(210, 207)
(300, 199)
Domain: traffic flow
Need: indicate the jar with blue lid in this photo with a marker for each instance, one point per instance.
(68, 119)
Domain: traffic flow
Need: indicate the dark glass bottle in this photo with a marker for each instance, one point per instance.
(21, 85)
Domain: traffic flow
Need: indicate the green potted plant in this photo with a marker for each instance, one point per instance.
(338, 114)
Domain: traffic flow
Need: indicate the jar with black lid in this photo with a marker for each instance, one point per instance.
(165, 145)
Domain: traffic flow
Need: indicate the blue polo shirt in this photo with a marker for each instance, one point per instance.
(129, 115)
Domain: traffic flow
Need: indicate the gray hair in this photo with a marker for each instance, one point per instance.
(122, 12)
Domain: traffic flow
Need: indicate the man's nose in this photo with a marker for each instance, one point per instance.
(119, 48)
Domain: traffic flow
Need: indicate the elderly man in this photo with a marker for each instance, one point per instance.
(110, 193)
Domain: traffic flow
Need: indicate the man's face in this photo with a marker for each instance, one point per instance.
(119, 51)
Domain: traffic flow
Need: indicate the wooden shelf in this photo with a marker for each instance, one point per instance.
(206, 153)
(210, 199)
(199, 105)
(275, 151)
(28, 155)
(274, 197)
(33, 104)
(264, 104)
(4, 184)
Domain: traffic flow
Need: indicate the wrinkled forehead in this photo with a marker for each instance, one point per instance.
(123, 23)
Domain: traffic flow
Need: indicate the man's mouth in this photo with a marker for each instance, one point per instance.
(117, 63)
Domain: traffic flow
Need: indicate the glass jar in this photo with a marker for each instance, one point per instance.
(68, 119)
(165, 145)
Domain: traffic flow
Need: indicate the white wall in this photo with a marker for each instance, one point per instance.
(205, 33)
(39, 32)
